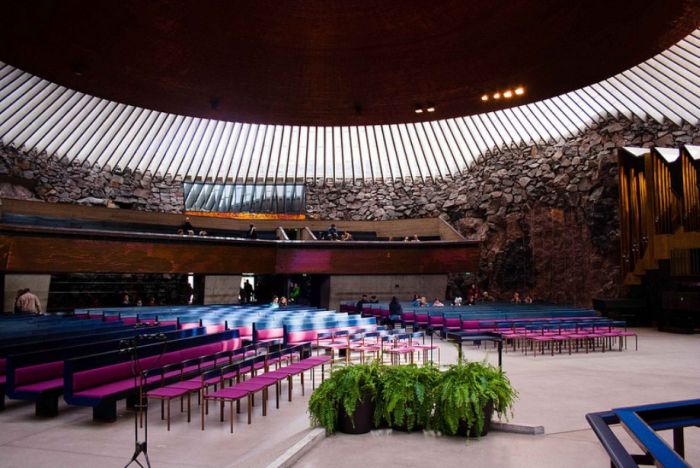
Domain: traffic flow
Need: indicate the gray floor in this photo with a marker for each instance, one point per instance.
(555, 392)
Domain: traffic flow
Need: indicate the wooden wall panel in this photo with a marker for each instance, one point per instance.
(347, 258)
(61, 251)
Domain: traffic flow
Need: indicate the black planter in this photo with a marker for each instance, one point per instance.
(488, 413)
(404, 428)
(362, 417)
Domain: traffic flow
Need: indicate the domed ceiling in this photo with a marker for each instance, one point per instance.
(347, 62)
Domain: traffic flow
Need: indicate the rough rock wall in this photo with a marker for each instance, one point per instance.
(547, 214)
(29, 175)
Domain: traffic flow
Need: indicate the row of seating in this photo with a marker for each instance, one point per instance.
(42, 333)
(378, 343)
(493, 311)
(90, 371)
(42, 375)
(252, 322)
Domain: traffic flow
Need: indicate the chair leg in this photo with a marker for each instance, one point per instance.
(250, 407)
(169, 414)
(264, 399)
(189, 407)
(201, 407)
(231, 411)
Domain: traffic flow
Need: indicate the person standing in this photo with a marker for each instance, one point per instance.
(247, 292)
(252, 232)
(28, 303)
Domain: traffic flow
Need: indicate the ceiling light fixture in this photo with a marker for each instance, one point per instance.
(508, 94)
(497, 96)
(418, 109)
(430, 108)
(519, 90)
(485, 97)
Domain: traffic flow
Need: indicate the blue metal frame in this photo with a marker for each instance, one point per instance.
(642, 422)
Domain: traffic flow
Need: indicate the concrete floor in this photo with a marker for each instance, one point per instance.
(555, 392)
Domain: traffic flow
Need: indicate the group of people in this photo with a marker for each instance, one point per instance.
(187, 229)
(126, 301)
(26, 302)
(333, 234)
(364, 300)
(516, 299)
(279, 302)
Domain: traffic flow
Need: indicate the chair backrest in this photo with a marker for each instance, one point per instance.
(192, 362)
(147, 374)
(208, 375)
(176, 366)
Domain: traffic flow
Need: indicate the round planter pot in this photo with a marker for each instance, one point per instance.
(488, 413)
(404, 428)
(362, 417)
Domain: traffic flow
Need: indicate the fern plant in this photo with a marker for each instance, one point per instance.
(465, 390)
(345, 388)
(407, 396)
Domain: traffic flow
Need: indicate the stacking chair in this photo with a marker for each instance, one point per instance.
(166, 393)
(370, 343)
(223, 395)
(417, 342)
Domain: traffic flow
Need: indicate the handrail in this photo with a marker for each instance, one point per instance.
(641, 422)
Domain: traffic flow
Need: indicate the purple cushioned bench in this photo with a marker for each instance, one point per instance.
(90, 384)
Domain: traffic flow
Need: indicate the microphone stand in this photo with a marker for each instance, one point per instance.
(141, 408)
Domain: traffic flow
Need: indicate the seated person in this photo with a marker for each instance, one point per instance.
(416, 300)
(275, 302)
(457, 301)
(486, 297)
(516, 298)
(406, 239)
(437, 303)
(528, 299)
(373, 300)
(332, 233)
(346, 236)
(474, 292)
(415, 238)
(186, 227)
(395, 311)
(423, 302)
(283, 302)
(360, 304)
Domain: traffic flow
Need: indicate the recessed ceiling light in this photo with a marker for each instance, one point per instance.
(497, 96)
(419, 110)
(519, 90)
(508, 94)
(485, 97)
(431, 109)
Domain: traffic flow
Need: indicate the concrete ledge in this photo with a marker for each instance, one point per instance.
(517, 428)
(296, 451)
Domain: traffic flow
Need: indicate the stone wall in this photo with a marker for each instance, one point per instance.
(29, 175)
(547, 214)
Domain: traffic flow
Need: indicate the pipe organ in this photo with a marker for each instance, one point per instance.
(659, 196)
